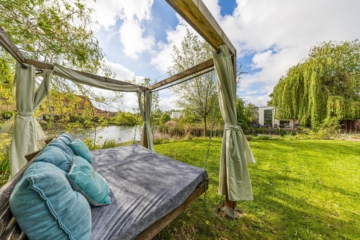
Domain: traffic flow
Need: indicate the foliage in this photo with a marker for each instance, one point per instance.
(246, 113)
(198, 96)
(6, 80)
(325, 85)
(302, 190)
(6, 115)
(4, 159)
(56, 31)
(109, 144)
(164, 118)
(125, 119)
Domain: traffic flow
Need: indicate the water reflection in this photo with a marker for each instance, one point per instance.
(118, 133)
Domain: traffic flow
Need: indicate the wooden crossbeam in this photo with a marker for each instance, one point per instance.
(11, 48)
(199, 17)
(42, 65)
(198, 68)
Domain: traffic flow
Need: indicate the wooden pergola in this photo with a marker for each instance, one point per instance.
(199, 17)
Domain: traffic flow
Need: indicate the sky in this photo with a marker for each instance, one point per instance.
(137, 37)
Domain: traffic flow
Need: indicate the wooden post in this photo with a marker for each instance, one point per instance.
(145, 135)
(229, 205)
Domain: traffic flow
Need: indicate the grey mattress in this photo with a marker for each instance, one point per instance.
(144, 185)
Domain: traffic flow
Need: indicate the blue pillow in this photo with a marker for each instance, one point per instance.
(91, 184)
(81, 150)
(46, 207)
(55, 156)
(67, 136)
(59, 143)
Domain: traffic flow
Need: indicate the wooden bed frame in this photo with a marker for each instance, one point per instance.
(9, 229)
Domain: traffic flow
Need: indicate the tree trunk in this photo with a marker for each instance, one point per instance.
(205, 126)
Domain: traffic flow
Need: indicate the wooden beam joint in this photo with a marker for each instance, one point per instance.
(11, 48)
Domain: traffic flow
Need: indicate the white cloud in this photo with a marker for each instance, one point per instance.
(258, 101)
(130, 102)
(168, 101)
(120, 71)
(280, 34)
(132, 14)
(131, 36)
(162, 59)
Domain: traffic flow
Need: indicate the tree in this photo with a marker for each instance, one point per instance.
(125, 119)
(165, 118)
(246, 113)
(324, 87)
(198, 96)
(53, 31)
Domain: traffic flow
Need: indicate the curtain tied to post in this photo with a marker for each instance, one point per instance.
(23, 126)
(234, 178)
(231, 127)
(146, 137)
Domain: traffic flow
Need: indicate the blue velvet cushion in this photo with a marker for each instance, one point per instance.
(46, 207)
(67, 136)
(81, 149)
(86, 180)
(56, 156)
(62, 143)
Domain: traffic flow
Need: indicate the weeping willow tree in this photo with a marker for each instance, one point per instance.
(323, 88)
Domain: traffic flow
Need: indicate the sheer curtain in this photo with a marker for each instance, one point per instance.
(234, 178)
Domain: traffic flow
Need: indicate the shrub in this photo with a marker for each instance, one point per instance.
(126, 119)
(264, 137)
(7, 115)
(4, 161)
(89, 142)
(109, 144)
(248, 137)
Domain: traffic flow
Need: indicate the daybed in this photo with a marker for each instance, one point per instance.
(148, 191)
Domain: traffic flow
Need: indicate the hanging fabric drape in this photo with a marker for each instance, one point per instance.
(79, 78)
(234, 178)
(25, 130)
(147, 137)
(24, 127)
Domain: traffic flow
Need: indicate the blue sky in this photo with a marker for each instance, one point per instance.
(270, 36)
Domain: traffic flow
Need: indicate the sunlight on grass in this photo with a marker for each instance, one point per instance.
(302, 190)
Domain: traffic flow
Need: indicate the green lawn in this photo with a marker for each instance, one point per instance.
(307, 189)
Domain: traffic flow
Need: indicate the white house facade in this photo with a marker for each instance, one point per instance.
(267, 118)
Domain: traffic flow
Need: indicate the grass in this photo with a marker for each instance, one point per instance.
(307, 189)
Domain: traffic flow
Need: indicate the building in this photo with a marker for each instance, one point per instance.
(266, 116)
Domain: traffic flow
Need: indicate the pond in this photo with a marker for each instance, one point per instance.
(118, 133)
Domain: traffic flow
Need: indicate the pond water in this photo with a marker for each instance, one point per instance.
(118, 133)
